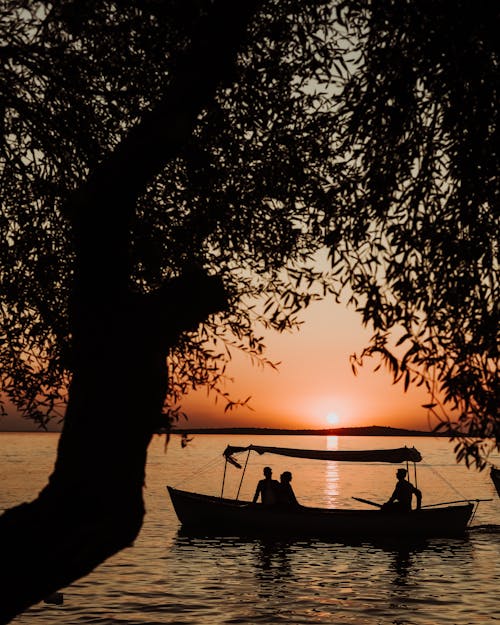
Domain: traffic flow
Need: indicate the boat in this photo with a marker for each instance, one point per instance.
(229, 517)
(495, 478)
(223, 516)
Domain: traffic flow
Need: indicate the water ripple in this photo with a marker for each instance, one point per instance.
(176, 578)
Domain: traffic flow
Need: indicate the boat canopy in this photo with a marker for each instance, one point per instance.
(402, 454)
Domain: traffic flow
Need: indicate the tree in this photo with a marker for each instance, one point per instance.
(167, 164)
(423, 134)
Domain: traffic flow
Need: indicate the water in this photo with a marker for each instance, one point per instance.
(170, 578)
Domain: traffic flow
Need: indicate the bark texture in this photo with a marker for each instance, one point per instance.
(92, 506)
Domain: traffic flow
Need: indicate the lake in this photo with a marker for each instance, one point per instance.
(170, 578)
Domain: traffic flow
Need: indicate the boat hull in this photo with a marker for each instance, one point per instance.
(230, 517)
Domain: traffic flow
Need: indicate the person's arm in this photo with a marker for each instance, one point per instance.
(293, 499)
(257, 492)
(418, 495)
(394, 496)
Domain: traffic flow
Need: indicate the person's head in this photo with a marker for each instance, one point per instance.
(286, 477)
(401, 474)
(268, 472)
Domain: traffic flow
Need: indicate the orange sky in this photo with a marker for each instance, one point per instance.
(315, 385)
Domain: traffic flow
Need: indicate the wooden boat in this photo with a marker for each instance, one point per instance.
(225, 516)
(495, 478)
(230, 517)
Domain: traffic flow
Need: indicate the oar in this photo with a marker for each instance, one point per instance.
(372, 503)
(447, 503)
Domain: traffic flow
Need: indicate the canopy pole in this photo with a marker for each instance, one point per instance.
(223, 480)
(243, 475)
(415, 473)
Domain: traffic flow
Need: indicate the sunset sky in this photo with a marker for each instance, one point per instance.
(315, 386)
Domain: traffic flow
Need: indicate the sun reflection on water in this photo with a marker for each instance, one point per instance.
(332, 473)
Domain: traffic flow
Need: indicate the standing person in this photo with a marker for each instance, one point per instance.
(286, 494)
(400, 500)
(267, 488)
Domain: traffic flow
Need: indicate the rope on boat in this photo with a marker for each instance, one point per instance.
(202, 469)
(449, 484)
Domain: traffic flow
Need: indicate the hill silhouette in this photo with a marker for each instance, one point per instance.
(372, 430)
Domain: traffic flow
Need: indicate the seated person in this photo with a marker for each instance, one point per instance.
(267, 488)
(286, 496)
(400, 500)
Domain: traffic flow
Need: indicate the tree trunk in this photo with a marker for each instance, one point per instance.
(92, 506)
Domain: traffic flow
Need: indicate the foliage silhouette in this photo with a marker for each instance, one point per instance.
(171, 171)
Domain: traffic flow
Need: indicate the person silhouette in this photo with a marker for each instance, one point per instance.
(286, 496)
(400, 500)
(267, 488)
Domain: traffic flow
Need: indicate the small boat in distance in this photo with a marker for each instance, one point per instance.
(223, 516)
(495, 478)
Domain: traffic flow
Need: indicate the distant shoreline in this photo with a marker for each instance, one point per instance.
(372, 430)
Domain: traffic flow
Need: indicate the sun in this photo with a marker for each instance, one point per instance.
(332, 418)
